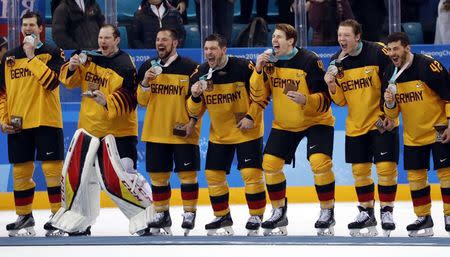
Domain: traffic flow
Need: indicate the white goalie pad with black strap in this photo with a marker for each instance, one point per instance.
(80, 190)
(124, 185)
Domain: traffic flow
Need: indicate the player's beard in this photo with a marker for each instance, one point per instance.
(165, 54)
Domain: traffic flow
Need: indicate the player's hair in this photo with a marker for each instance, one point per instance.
(399, 36)
(289, 30)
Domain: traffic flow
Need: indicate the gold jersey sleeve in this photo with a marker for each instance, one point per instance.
(115, 77)
(165, 101)
(227, 101)
(30, 88)
(422, 95)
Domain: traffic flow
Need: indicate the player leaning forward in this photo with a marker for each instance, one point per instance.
(102, 154)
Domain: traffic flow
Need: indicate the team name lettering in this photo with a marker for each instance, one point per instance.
(91, 77)
(20, 72)
(281, 83)
(223, 98)
(409, 97)
(356, 84)
(163, 89)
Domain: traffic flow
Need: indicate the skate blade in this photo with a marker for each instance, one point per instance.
(251, 232)
(225, 231)
(280, 231)
(55, 233)
(387, 233)
(427, 232)
(187, 231)
(325, 231)
(24, 232)
(371, 232)
(166, 231)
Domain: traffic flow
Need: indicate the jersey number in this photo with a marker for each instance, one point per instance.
(436, 67)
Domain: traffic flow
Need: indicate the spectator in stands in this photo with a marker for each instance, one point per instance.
(181, 6)
(443, 23)
(371, 14)
(286, 11)
(150, 17)
(3, 46)
(324, 17)
(76, 24)
(247, 7)
(223, 11)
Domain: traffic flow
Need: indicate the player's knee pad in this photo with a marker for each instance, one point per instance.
(362, 173)
(217, 182)
(188, 177)
(387, 173)
(321, 165)
(444, 177)
(273, 169)
(160, 178)
(52, 171)
(216, 177)
(124, 185)
(23, 175)
(272, 163)
(418, 179)
(253, 179)
(80, 190)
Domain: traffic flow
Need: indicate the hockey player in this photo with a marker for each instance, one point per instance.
(103, 151)
(418, 86)
(222, 87)
(30, 113)
(171, 135)
(353, 79)
(301, 105)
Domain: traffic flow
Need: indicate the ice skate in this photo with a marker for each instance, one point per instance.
(51, 231)
(447, 223)
(387, 220)
(161, 223)
(422, 227)
(276, 224)
(253, 225)
(364, 221)
(325, 223)
(87, 232)
(220, 226)
(23, 226)
(188, 222)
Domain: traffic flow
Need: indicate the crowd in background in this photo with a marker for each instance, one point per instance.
(75, 23)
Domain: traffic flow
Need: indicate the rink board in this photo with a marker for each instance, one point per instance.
(225, 240)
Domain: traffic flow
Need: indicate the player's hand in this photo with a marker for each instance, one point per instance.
(74, 62)
(297, 97)
(99, 97)
(148, 76)
(331, 82)
(245, 124)
(446, 136)
(388, 124)
(189, 127)
(261, 61)
(389, 98)
(8, 129)
(29, 48)
(196, 89)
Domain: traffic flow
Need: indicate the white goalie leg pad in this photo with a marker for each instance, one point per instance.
(124, 185)
(80, 190)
